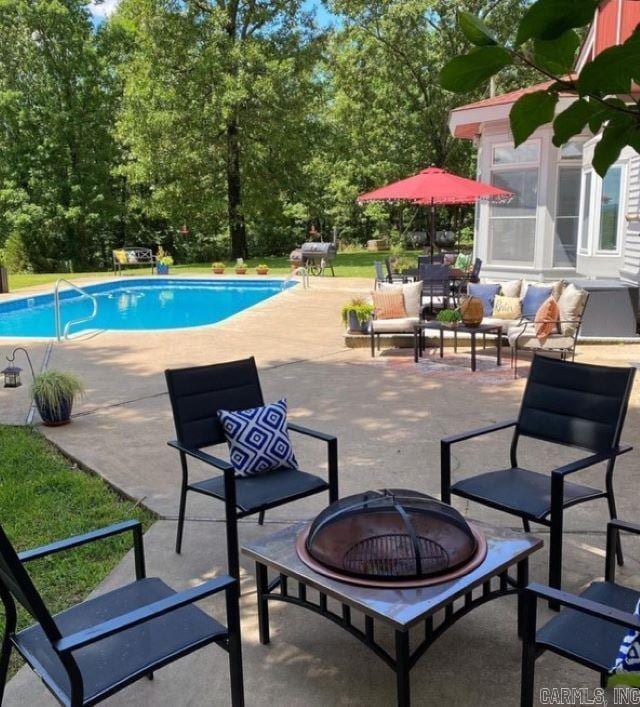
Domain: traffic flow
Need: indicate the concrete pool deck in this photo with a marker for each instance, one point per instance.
(389, 415)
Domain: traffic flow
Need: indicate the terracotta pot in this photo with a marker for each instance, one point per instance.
(218, 271)
(262, 271)
(241, 271)
(472, 311)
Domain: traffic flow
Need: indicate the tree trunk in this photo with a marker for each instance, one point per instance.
(237, 227)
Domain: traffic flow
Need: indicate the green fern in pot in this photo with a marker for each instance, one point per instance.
(53, 393)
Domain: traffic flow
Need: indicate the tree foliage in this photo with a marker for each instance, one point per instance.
(242, 119)
(546, 40)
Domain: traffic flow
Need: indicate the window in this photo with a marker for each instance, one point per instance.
(586, 211)
(610, 203)
(529, 152)
(567, 217)
(512, 226)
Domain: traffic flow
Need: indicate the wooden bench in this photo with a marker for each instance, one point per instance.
(128, 256)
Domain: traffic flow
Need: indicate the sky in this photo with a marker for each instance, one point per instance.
(102, 10)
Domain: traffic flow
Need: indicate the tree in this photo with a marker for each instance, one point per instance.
(216, 106)
(388, 112)
(57, 95)
(547, 40)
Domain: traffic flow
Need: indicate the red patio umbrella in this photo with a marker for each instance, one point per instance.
(436, 187)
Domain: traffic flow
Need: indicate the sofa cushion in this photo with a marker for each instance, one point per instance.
(412, 292)
(571, 304)
(389, 305)
(506, 308)
(394, 326)
(525, 337)
(504, 323)
(486, 293)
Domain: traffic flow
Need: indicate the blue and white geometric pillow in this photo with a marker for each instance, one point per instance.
(626, 670)
(258, 439)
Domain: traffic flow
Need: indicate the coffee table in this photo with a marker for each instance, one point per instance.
(401, 609)
(484, 329)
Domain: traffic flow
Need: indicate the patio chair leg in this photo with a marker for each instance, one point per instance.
(10, 627)
(528, 613)
(183, 502)
(526, 525)
(378, 342)
(234, 645)
(611, 502)
(261, 518)
(555, 535)
(373, 345)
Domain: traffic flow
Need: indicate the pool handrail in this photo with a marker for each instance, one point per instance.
(301, 272)
(56, 297)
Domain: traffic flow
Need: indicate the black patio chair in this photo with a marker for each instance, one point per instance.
(391, 276)
(589, 628)
(100, 646)
(436, 283)
(571, 404)
(196, 395)
(380, 274)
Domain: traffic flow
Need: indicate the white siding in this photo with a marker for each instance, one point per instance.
(630, 269)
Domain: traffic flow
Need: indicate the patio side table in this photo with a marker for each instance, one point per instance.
(399, 608)
(441, 327)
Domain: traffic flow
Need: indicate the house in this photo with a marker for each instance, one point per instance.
(564, 222)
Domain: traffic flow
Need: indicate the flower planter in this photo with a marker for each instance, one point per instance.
(354, 326)
(218, 271)
(162, 269)
(241, 271)
(262, 271)
(55, 417)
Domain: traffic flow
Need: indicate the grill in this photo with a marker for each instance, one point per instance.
(316, 257)
(394, 535)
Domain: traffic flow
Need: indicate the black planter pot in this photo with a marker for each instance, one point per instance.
(354, 326)
(54, 417)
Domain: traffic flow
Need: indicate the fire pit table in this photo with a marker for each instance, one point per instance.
(404, 579)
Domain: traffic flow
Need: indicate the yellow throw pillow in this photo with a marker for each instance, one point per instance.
(507, 307)
(389, 305)
(121, 256)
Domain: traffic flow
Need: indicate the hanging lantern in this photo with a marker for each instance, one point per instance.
(12, 377)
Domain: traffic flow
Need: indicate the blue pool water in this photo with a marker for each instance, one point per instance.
(140, 303)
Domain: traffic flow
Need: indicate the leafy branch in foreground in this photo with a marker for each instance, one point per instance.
(547, 40)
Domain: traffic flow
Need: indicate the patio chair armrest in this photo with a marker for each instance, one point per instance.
(332, 455)
(78, 540)
(463, 436)
(136, 617)
(294, 427)
(202, 456)
(591, 461)
(584, 606)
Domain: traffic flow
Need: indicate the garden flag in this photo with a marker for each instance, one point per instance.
(626, 670)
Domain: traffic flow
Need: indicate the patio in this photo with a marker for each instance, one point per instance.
(389, 416)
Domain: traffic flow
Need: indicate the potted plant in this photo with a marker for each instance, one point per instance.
(53, 393)
(218, 268)
(450, 317)
(163, 261)
(356, 315)
(241, 268)
(262, 269)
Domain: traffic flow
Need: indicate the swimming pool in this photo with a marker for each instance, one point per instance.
(136, 304)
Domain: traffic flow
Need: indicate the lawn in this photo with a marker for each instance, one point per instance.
(44, 497)
(359, 264)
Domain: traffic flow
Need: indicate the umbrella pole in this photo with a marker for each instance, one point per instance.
(433, 227)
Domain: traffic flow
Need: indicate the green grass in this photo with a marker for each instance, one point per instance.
(358, 264)
(44, 497)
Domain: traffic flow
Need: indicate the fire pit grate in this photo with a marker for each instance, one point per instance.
(395, 556)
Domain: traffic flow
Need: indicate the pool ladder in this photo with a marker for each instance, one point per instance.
(301, 272)
(64, 334)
